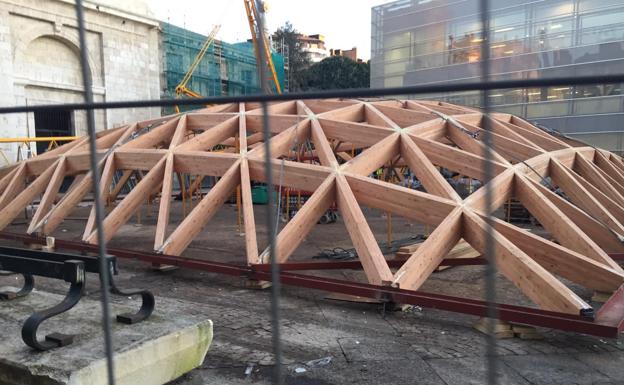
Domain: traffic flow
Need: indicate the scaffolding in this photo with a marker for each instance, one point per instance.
(227, 69)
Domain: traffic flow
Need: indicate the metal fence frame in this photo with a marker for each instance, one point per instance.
(485, 85)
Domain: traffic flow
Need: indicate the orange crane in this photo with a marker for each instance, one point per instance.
(259, 38)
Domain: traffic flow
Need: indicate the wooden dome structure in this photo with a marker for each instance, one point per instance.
(575, 191)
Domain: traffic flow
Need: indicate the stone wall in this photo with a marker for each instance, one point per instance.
(40, 62)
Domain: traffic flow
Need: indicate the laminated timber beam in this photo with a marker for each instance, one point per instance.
(226, 142)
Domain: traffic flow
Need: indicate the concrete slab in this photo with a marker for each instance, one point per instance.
(473, 371)
(550, 369)
(155, 351)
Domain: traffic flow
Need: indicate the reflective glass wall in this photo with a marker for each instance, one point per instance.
(437, 41)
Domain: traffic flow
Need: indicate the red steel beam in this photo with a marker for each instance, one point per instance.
(608, 327)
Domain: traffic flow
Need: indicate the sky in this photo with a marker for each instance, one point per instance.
(344, 23)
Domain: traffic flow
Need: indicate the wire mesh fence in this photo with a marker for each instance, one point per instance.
(485, 85)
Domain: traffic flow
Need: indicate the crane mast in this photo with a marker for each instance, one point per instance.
(260, 41)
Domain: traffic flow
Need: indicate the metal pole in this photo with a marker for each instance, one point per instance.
(490, 252)
(275, 273)
(97, 201)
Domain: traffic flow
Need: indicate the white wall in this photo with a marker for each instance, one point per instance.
(39, 60)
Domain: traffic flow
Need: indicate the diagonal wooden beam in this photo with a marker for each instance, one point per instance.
(408, 203)
(128, 206)
(430, 253)
(558, 224)
(67, 203)
(302, 223)
(425, 171)
(377, 118)
(360, 134)
(467, 143)
(192, 225)
(6, 179)
(560, 260)
(15, 185)
(374, 264)
(603, 163)
(49, 195)
(251, 243)
(25, 196)
(602, 235)
(210, 138)
(374, 157)
(151, 139)
(456, 159)
(321, 144)
(501, 188)
(581, 197)
(526, 274)
(105, 183)
(281, 143)
(598, 178)
(165, 202)
(125, 176)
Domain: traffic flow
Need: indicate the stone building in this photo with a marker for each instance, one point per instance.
(40, 63)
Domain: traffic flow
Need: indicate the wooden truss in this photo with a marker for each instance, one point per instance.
(576, 192)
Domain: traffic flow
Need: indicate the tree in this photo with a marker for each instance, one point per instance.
(337, 72)
(286, 43)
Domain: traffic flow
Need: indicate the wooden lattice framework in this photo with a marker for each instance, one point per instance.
(226, 141)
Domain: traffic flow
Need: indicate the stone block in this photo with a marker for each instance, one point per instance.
(173, 341)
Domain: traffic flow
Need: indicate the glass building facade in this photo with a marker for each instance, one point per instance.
(417, 42)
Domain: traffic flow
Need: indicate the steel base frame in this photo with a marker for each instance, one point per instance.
(607, 322)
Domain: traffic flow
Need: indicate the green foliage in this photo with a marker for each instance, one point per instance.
(337, 72)
(286, 43)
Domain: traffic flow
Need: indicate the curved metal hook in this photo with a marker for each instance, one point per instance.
(75, 274)
(147, 304)
(27, 287)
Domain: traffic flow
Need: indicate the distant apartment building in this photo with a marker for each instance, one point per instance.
(350, 53)
(314, 46)
(417, 42)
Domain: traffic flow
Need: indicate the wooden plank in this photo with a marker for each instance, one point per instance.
(25, 196)
(374, 157)
(292, 174)
(374, 264)
(581, 197)
(605, 238)
(119, 185)
(605, 165)
(456, 159)
(49, 195)
(501, 189)
(128, 206)
(283, 142)
(203, 163)
(470, 144)
(404, 117)
(16, 184)
(321, 144)
(138, 159)
(558, 224)
(165, 202)
(210, 138)
(360, 134)
(589, 171)
(302, 223)
(425, 171)
(526, 274)
(192, 225)
(431, 252)
(106, 179)
(67, 204)
(424, 208)
(373, 116)
(155, 137)
(560, 260)
(249, 222)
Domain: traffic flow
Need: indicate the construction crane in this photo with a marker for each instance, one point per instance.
(259, 38)
(182, 88)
